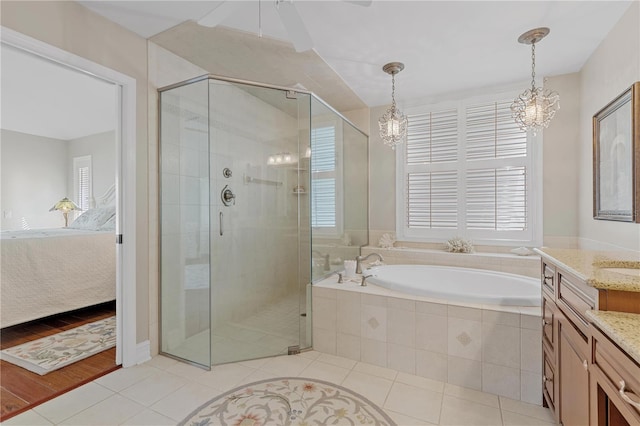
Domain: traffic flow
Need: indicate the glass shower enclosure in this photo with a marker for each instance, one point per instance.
(236, 220)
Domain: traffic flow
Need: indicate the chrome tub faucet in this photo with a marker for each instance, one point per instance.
(360, 259)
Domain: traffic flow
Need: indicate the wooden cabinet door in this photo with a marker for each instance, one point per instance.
(574, 375)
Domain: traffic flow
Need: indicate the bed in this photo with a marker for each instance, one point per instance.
(50, 271)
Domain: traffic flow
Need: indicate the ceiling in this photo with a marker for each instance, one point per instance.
(43, 98)
(447, 46)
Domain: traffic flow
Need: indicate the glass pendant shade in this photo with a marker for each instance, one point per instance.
(393, 127)
(393, 123)
(534, 108)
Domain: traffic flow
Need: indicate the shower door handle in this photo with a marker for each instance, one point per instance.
(221, 224)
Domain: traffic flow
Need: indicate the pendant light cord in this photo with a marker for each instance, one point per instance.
(533, 66)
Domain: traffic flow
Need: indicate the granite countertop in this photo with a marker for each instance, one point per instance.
(594, 267)
(620, 327)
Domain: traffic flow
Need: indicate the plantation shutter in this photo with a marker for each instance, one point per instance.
(323, 177)
(465, 171)
(84, 181)
(431, 197)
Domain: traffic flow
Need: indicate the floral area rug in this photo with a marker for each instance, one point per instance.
(292, 401)
(50, 353)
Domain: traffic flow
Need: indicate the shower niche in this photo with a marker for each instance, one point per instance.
(250, 175)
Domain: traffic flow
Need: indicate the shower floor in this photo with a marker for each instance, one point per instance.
(266, 332)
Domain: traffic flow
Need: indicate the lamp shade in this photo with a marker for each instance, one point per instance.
(64, 205)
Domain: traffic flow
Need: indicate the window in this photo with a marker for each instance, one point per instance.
(82, 185)
(467, 170)
(326, 194)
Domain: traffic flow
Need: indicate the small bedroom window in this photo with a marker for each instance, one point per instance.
(82, 187)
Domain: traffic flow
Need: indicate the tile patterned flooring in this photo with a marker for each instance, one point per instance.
(164, 391)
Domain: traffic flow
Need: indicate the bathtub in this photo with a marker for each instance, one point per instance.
(458, 284)
(468, 327)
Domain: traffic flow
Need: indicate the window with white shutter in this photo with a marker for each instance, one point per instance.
(82, 185)
(326, 202)
(466, 170)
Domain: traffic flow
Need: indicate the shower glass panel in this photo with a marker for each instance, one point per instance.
(184, 225)
(339, 190)
(251, 175)
(257, 137)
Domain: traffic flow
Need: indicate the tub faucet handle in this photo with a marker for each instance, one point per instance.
(339, 274)
(364, 280)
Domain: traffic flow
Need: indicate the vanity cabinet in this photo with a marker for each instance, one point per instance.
(565, 344)
(582, 368)
(614, 384)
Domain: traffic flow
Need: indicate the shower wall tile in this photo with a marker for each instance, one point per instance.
(324, 341)
(531, 322)
(324, 314)
(373, 352)
(432, 308)
(531, 387)
(464, 313)
(403, 304)
(501, 318)
(464, 338)
(500, 345)
(348, 346)
(464, 372)
(348, 317)
(432, 365)
(401, 327)
(431, 333)
(401, 358)
(531, 351)
(373, 322)
(501, 380)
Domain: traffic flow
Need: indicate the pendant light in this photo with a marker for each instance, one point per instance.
(534, 109)
(393, 124)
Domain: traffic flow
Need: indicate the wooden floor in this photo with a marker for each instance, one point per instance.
(21, 389)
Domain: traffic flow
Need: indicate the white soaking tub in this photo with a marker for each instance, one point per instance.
(458, 284)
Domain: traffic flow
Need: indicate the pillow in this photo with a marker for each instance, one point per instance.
(109, 225)
(92, 219)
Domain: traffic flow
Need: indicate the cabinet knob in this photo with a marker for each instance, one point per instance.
(585, 365)
(624, 396)
(545, 322)
(545, 379)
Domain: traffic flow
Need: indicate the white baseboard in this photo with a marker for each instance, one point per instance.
(143, 352)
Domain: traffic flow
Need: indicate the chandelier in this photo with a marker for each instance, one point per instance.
(534, 108)
(393, 124)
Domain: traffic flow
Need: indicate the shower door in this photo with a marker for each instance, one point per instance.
(259, 139)
(185, 313)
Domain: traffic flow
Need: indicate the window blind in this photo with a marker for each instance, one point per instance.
(83, 196)
(323, 177)
(432, 200)
(432, 137)
(493, 133)
(465, 171)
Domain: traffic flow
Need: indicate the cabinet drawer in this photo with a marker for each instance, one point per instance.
(548, 277)
(549, 323)
(548, 379)
(616, 368)
(574, 300)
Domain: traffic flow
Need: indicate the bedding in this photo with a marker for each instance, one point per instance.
(49, 271)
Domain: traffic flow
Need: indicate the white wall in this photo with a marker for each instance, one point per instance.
(560, 171)
(34, 178)
(611, 69)
(102, 149)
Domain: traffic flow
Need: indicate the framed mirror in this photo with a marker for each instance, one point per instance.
(616, 158)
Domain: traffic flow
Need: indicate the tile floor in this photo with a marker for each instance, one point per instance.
(163, 392)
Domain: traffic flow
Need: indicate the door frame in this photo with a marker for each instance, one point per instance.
(126, 350)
